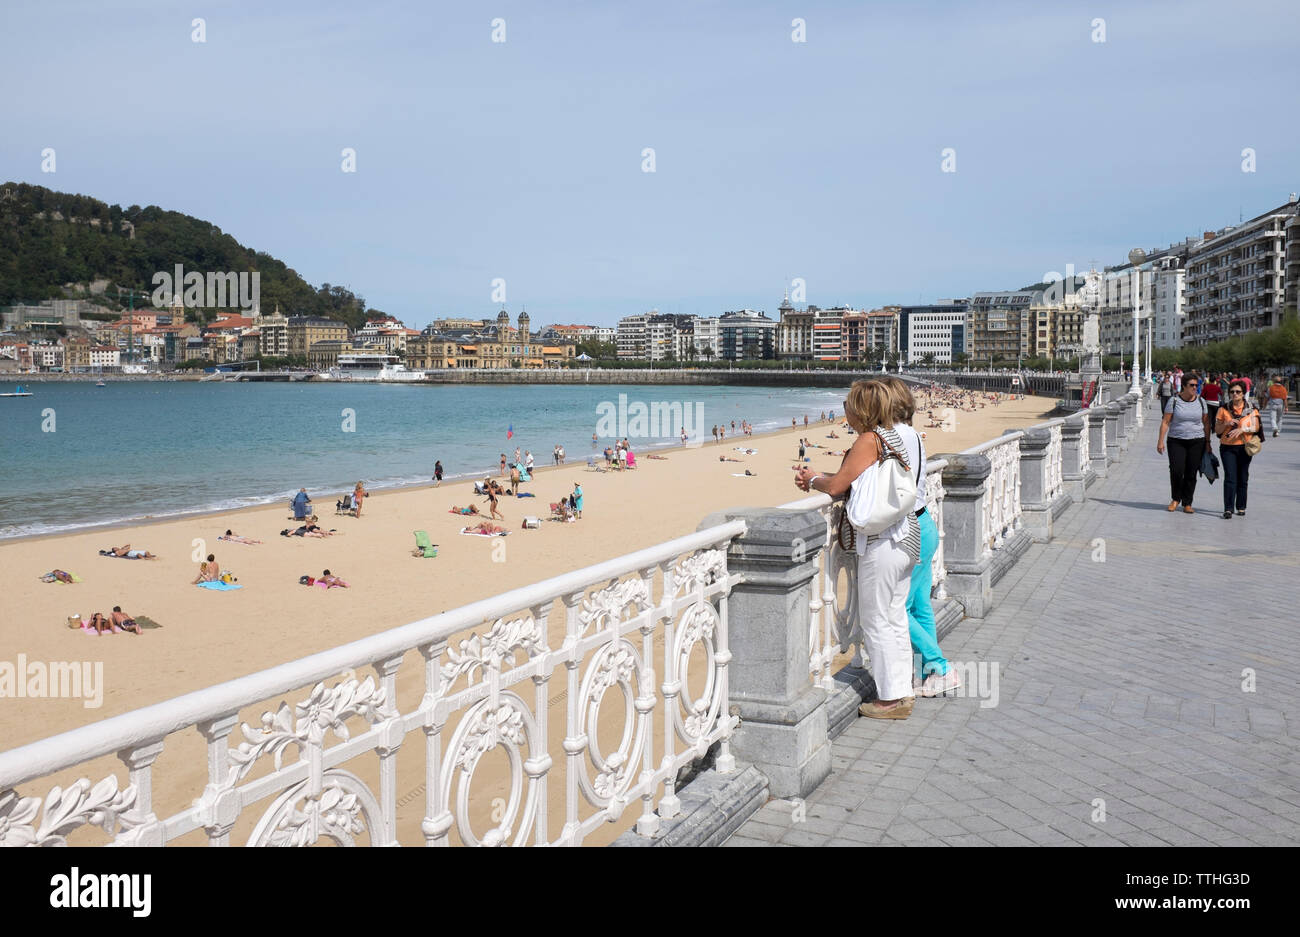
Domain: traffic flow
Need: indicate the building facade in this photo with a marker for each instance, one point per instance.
(940, 329)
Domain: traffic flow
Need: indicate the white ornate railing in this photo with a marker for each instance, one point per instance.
(1002, 499)
(1083, 441)
(1055, 483)
(475, 702)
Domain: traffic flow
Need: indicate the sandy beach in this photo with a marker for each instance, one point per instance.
(208, 637)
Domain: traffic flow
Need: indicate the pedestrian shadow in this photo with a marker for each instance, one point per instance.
(1140, 505)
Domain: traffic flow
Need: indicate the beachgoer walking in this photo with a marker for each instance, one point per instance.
(555, 454)
(492, 501)
(1186, 423)
(301, 504)
(514, 479)
(577, 499)
(593, 440)
(437, 473)
(562, 456)
(1237, 422)
(528, 462)
(622, 457)
(516, 455)
(885, 560)
(802, 449)
(503, 464)
(358, 496)
(1276, 404)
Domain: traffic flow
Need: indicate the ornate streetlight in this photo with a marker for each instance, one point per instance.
(1137, 256)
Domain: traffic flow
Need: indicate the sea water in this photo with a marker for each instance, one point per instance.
(75, 455)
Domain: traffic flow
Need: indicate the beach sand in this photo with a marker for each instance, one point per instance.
(209, 637)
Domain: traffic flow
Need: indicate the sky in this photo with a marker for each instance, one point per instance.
(523, 160)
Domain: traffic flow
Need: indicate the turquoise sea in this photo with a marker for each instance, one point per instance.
(75, 455)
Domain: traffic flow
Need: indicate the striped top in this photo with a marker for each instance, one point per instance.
(912, 541)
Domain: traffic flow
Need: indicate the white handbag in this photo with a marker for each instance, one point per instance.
(884, 494)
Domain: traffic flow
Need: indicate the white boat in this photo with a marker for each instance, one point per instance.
(100, 384)
(373, 367)
(18, 392)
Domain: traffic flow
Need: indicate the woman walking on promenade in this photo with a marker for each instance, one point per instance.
(1165, 389)
(1186, 423)
(1237, 422)
(885, 560)
(936, 677)
(1212, 394)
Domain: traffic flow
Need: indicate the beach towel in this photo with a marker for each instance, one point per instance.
(245, 542)
(742, 475)
(219, 586)
(525, 494)
(85, 626)
(49, 577)
(471, 532)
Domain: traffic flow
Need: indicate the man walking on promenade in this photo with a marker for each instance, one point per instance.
(1276, 404)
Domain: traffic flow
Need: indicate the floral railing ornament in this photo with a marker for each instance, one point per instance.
(64, 810)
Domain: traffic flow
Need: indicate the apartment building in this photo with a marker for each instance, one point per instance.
(828, 333)
(865, 336)
(631, 338)
(794, 332)
(1237, 277)
(746, 335)
(706, 338)
(304, 331)
(999, 323)
(941, 329)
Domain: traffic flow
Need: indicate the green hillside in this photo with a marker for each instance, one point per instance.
(48, 239)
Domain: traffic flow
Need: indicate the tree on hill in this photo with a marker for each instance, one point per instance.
(48, 239)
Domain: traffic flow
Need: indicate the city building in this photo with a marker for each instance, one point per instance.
(999, 324)
(940, 329)
(746, 335)
(1237, 276)
(631, 339)
(794, 339)
(305, 331)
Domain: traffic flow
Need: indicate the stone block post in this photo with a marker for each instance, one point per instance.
(1035, 506)
(1112, 411)
(1074, 472)
(783, 719)
(1125, 423)
(1097, 440)
(966, 553)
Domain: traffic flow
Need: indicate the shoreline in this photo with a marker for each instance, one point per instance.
(203, 514)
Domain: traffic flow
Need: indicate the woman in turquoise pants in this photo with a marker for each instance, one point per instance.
(934, 675)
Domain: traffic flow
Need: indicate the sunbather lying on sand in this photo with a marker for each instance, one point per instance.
(126, 552)
(727, 458)
(331, 581)
(124, 621)
(308, 530)
(58, 575)
(235, 538)
(486, 527)
(472, 509)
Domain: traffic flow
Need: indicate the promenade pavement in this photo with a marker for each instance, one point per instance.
(1147, 695)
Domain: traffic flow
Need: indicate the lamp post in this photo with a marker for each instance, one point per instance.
(1136, 257)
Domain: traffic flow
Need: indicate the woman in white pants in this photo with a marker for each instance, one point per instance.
(885, 560)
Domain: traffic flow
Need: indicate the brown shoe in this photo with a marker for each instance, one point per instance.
(1173, 506)
(899, 710)
(1187, 509)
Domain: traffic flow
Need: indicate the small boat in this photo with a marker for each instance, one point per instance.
(100, 384)
(18, 392)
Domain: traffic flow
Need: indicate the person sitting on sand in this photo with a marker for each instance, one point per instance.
(752, 474)
(833, 435)
(126, 551)
(332, 581)
(124, 621)
(235, 538)
(208, 572)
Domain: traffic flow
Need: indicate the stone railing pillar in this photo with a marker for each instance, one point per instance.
(1074, 470)
(1112, 411)
(1035, 506)
(1125, 423)
(966, 552)
(1097, 440)
(783, 719)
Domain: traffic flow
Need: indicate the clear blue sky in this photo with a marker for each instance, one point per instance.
(774, 159)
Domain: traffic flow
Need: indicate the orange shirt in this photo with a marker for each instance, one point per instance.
(1277, 392)
(1249, 424)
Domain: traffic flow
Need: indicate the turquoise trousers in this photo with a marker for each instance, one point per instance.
(920, 613)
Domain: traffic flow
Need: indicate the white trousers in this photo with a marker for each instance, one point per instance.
(884, 578)
(1275, 414)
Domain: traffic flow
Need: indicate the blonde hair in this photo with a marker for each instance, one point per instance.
(872, 403)
(904, 405)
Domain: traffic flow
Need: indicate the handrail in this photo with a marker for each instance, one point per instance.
(159, 719)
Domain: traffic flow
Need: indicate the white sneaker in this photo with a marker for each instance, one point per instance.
(940, 685)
